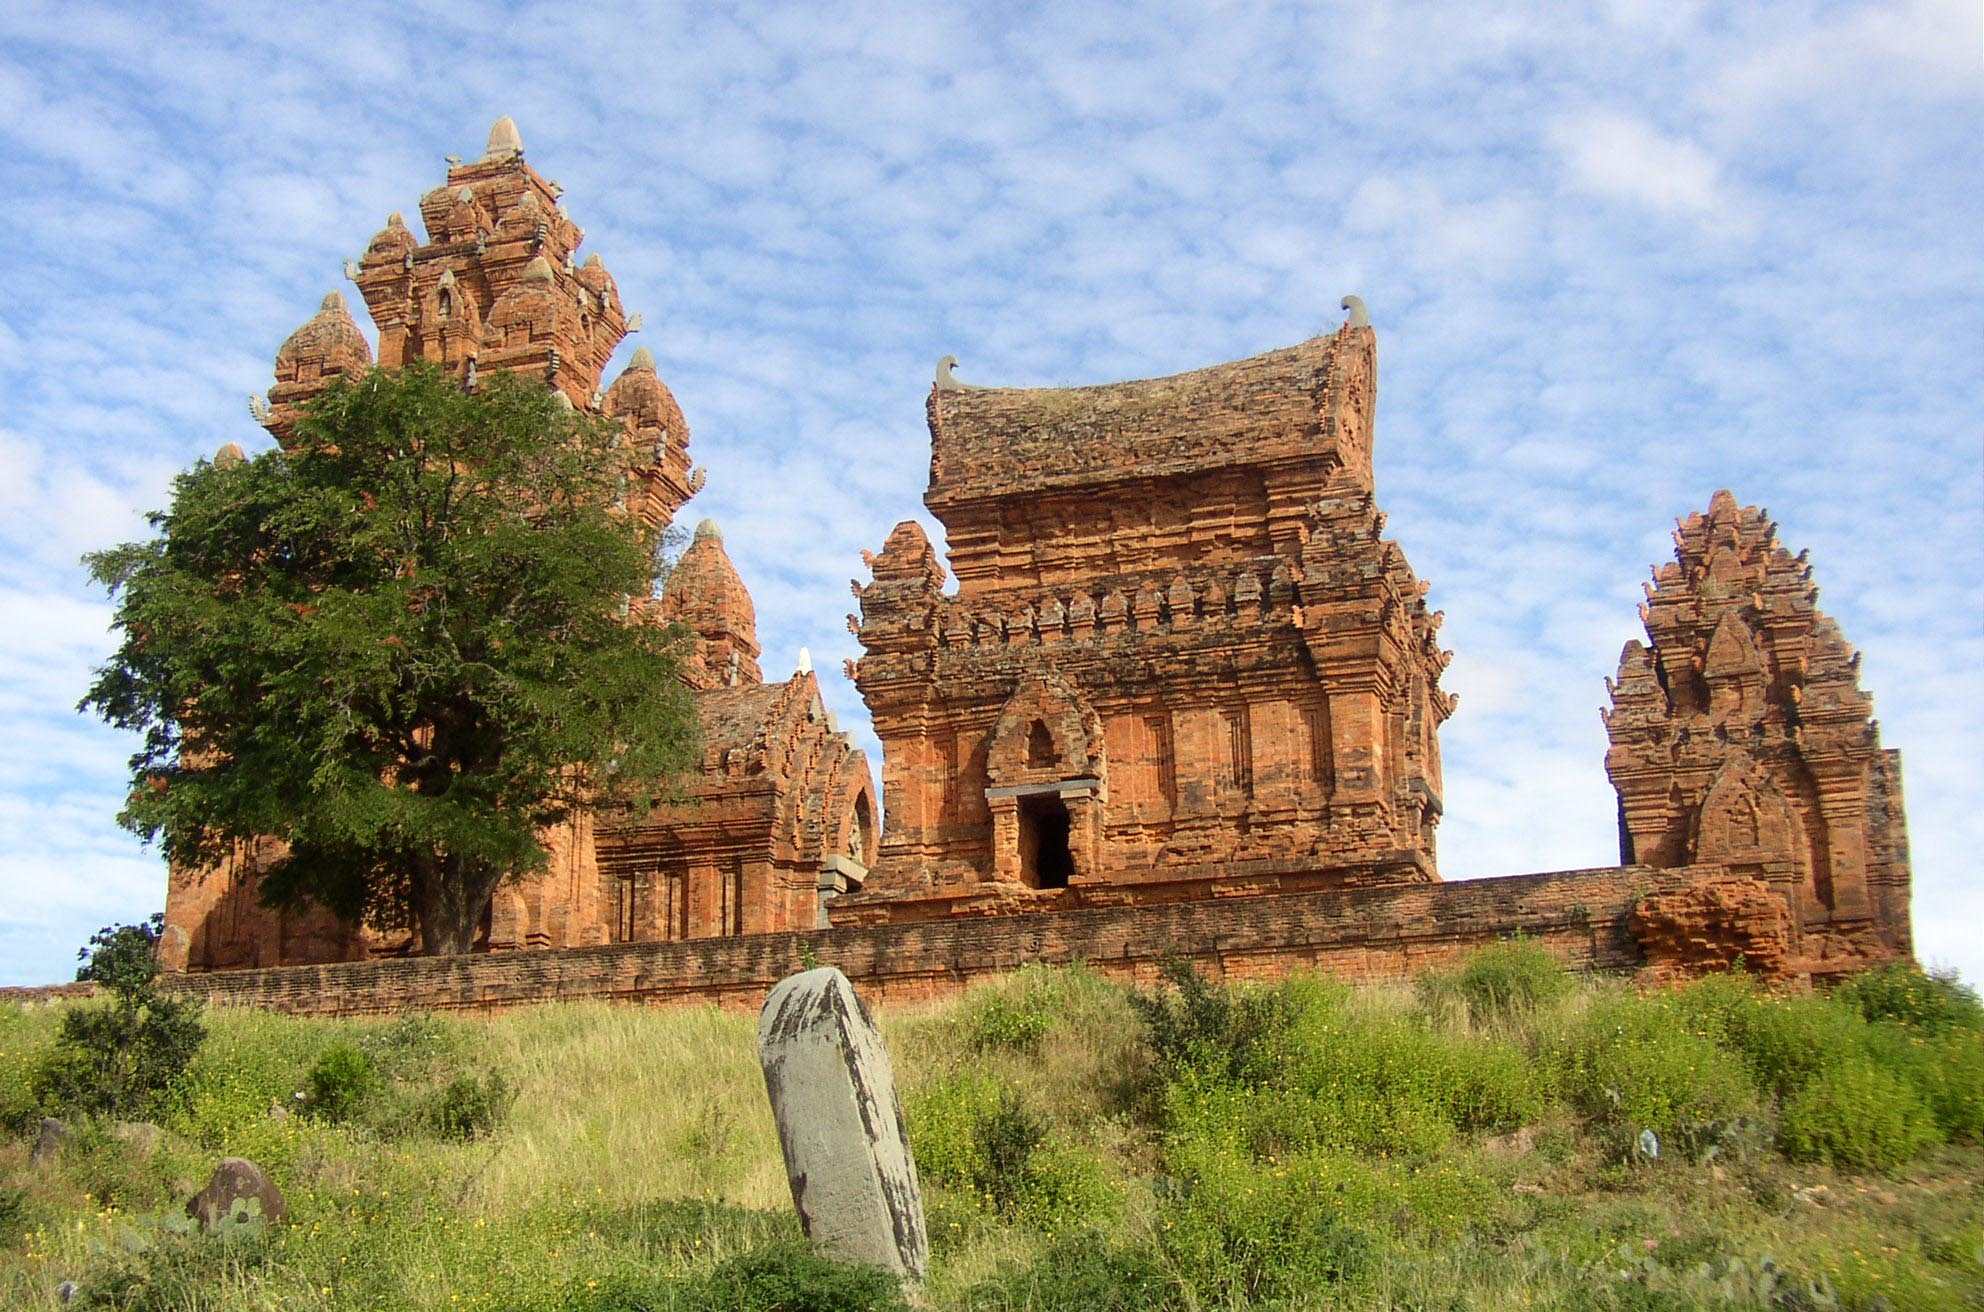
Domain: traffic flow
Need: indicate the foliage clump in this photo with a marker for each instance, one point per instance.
(398, 646)
(341, 1084)
(126, 1057)
(1503, 980)
(1929, 1002)
(471, 1106)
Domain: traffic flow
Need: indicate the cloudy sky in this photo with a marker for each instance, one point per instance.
(1617, 259)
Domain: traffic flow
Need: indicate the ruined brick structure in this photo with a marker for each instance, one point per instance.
(1181, 661)
(1184, 699)
(1741, 740)
(780, 813)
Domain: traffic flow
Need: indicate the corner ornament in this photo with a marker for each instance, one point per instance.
(1359, 316)
(948, 381)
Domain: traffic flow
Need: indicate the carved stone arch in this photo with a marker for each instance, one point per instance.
(1047, 780)
(1746, 820)
(1045, 704)
(1735, 672)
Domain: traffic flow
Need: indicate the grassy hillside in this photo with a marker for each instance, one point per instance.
(1470, 1144)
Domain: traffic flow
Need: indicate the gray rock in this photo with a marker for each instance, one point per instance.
(141, 1137)
(840, 1125)
(53, 1134)
(237, 1180)
(67, 1291)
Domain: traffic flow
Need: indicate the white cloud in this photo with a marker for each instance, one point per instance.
(1623, 157)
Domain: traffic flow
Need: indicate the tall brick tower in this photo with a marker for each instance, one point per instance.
(1741, 739)
(1181, 661)
(778, 815)
(497, 285)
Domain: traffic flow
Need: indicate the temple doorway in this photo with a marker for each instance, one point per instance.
(1045, 859)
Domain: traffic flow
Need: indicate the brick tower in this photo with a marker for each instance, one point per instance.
(778, 816)
(1740, 739)
(1181, 661)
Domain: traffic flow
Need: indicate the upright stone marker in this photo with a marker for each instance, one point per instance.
(834, 1097)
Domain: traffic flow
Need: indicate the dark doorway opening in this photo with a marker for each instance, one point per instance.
(1045, 860)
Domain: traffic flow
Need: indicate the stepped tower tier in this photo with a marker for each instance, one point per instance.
(1181, 660)
(1740, 738)
(705, 595)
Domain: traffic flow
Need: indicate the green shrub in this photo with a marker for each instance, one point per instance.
(943, 1122)
(1856, 1115)
(1360, 1080)
(1508, 979)
(1955, 1087)
(1230, 1032)
(1933, 1002)
(1238, 1232)
(127, 1057)
(1631, 1064)
(790, 1277)
(1785, 1043)
(1081, 1274)
(1007, 1138)
(342, 1083)
(971, 1134)
(470, 1107)
(14, 1213)
(1013, 1018)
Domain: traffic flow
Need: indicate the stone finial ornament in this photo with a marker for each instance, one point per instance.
(505, 142)
(258, 408)
(229, 456)
(946, 380)
(1359, 316)
(805, 661)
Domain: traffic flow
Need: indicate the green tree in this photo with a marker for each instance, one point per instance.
(129, 1056)
(399, 646)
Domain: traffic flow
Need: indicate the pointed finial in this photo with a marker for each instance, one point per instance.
(229, 456)
(946, 381)
(805, 661)
(352, 270)
(505, 142)
(1359, 316)
(332, 302)
(707, 531)
(396, 220)
(634, 324)
(643, 359)
(594, 262)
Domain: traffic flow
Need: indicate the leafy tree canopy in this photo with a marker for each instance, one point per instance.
(398, 646)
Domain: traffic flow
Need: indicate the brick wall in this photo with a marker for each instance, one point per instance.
(1369, 934)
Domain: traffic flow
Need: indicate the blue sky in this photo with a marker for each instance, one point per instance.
(1618, 257)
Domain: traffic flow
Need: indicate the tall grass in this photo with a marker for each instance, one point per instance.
(1468, 1143)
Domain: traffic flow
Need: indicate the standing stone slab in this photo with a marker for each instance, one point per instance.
(49, 1142)
(834, 1097)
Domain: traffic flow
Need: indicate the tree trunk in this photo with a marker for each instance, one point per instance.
(449, 902)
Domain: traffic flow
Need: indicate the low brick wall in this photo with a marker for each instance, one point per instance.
(1366, 934)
